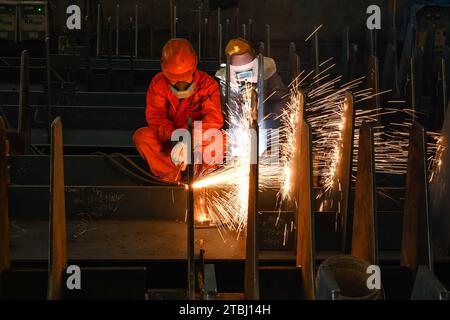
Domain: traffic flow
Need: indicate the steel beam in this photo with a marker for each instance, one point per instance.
(4, 214)
(416, 238)
(57, 254)
(305, 256)
(364, 238)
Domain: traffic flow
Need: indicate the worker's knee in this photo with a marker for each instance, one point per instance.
(142, 135)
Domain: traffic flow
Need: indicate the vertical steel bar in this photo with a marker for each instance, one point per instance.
(219, 36)
(220, 46)
(227, 89)
(190, 215)
(174, 21)
(250, 31)
(199, 51)
(88, 52)
(244, 31)
(316, 55)
(171, 19)
(98, 31)
(345, 55)
(205, 38)
(236, 26)
(268, 53)
(227, 31)
(136, 31)
(49, 86)
(57, 255)
(251, 261)
(117, 29)
(374, 84)
(412, 87)
(23, 126)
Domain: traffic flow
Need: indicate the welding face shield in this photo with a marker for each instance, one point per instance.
(244, 73)
(182, 90)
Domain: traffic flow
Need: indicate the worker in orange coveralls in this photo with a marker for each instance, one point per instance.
(176, 94)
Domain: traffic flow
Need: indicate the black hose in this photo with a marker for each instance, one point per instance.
(151, 178)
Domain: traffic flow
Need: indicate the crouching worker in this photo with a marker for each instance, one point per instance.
(176, 94)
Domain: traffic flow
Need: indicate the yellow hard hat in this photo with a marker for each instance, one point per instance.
(238, 46)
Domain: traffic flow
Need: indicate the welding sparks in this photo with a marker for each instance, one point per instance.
(321, 100)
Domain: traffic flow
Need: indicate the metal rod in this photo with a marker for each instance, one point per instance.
(345, 55)
(98, 30)
(199, 32)
(219, 36)
(250, 31)
(117, 29)
(244, 31)
(109, 52)
(23, 125)
(227, 88)
(190, 216)
(130, 29)
(49, 86)
(88, 52)
(219, 54)
(175, 21)
(261, 47)
(227, 31)
(251, 256)
(136, 31)
(171, 19)
(205, 39)
(316, 56)
(237, 22)
(413, 87)
(268, 40)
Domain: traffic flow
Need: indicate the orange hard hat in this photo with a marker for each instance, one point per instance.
(178, 61)
(238, 46)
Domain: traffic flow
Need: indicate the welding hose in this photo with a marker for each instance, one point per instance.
(152, 179)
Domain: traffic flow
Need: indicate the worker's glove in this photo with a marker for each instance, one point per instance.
(179, 155)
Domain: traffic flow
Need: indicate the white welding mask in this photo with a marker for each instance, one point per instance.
(244, 73)
(183, 94)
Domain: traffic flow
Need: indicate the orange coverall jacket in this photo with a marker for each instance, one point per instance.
(165, 113)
